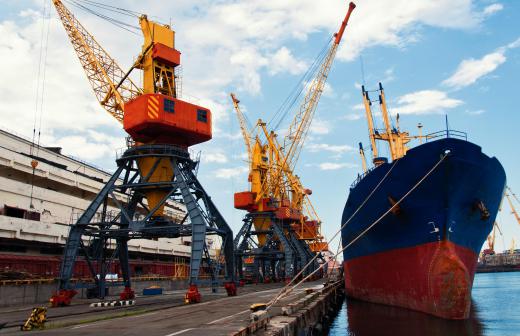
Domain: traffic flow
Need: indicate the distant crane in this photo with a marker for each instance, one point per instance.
(513, 210)
(155, 169)
(286, 226)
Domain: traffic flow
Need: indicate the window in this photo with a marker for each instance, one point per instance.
(169, 105)
(202, 115)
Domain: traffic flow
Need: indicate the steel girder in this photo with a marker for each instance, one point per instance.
(98, 227)
(280, 248)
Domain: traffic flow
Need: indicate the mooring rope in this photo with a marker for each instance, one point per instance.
(286, 290)
(344, 224)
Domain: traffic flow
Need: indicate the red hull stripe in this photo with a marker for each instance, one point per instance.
(435, 278)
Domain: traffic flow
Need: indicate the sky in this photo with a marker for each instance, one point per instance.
(458, 58)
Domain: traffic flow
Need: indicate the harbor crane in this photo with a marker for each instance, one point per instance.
(281, 230)
(508, 194)
(154, 173)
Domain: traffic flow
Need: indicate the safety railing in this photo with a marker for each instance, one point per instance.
(447, 133)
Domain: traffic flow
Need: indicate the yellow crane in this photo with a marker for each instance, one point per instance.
(276, 193)
(513, 210)
(396, 139)
(246, 134)
(299, 127)
(491, 237)
(157, 166)
(363, 158)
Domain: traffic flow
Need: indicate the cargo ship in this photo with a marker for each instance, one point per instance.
(413, 226)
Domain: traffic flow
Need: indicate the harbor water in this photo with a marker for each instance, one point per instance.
(495, 311)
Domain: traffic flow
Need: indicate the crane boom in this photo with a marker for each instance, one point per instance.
(293, 141)
(246, 134)
(111, 85)
(513, 210)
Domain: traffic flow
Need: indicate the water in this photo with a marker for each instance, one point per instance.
(495, 311)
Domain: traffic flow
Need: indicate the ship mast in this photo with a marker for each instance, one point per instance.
(396, 139)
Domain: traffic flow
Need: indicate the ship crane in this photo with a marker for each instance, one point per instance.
(155, 171)
(363, 158)
(396, 139)
(280, 216)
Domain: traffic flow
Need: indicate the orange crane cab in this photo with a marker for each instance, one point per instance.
(157, 118)
(157, 115)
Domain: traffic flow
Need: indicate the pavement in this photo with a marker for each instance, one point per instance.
(163, 315)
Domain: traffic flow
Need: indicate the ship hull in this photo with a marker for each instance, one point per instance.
(434, 278)
(422, 255)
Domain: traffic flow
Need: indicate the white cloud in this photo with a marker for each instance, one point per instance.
(320, 127)
(359, 107)
(335, 166)
(214, 157)
(424, 102)
(284, 61)
(514, 44)
(398, 25)
(352, 117)
(470, 70)
(388, 75)
(228, 173)
(338, 149)
(224, 44)
(476, 112)
(493, 8)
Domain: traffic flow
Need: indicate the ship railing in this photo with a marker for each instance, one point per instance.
(361, 176)
(447, 133)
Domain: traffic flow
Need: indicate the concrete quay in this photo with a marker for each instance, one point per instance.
(166, 315)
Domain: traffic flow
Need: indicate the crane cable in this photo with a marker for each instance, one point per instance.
(82, 4)
(297, 91)
(286, 290)
(350, 218)
(40, 81)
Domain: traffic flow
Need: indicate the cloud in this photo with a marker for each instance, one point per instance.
(476, 112)
(338, 149)
(335, 166)
(320, 127)
(228, 173)
(399, 24)
(214, 157)
(388, 76)
(284, 61)
(492, 9)
(359, 107)
(225, 45)
(352, 117)
(471, 70)
(424, 102)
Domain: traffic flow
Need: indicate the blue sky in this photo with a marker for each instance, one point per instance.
(457, 57)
